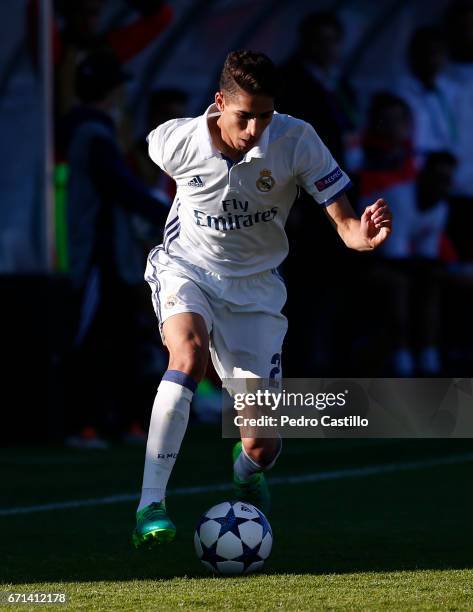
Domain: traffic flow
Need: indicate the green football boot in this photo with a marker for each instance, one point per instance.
(255, 491)
(153, 526)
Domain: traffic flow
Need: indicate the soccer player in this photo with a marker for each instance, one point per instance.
(214, 278)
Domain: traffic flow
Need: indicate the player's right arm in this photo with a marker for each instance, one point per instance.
(165, 146)
(156, 140)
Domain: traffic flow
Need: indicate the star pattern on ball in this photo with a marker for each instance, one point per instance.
(230, 523)
(249, 555)
(229, 543)
(210, 554)
(263, 521)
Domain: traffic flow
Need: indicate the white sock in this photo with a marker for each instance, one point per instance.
(244, 467)
(168, 425)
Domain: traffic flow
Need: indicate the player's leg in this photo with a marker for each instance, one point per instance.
(252, 457)
(246, 344)
(185, 320)
(259, 454)
(249, 481)
(186, 337)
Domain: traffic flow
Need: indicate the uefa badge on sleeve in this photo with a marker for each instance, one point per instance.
(265, 181)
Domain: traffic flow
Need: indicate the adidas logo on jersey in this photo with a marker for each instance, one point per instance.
(196, 182)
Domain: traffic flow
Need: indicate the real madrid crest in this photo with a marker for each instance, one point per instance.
(171, 301)
(265, 181)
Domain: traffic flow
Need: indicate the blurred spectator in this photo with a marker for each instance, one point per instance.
(410, 272)
(106, 268)
(431, 97)
(164, 104)
(313, 87)
(389, 168)
(459, 27)
(420, 229)
(314, 91)
(76, 33)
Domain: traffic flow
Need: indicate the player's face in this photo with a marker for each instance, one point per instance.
(243, 118)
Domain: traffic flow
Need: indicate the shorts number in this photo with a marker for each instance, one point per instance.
(276, 361)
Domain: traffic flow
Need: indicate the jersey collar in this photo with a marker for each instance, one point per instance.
(207, 148)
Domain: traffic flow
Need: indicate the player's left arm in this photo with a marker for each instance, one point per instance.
(319, 174)
(365, 233)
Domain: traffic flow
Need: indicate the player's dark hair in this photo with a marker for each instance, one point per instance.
(251, 71)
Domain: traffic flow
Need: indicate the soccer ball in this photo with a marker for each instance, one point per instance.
(233, 538)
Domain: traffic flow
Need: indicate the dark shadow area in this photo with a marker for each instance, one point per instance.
(404, 520)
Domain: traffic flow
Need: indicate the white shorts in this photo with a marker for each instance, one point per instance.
(243, 315)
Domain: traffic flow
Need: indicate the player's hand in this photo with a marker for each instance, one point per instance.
(376, 223)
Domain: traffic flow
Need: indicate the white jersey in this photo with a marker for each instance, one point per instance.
(229, 218)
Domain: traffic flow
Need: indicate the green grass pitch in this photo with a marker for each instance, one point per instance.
(394, 540)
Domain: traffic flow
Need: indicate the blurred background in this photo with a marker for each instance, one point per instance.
(388, 86)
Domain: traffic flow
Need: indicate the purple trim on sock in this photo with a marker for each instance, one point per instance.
(180, 378)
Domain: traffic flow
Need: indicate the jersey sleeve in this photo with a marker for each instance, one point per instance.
(316, 170)
(157, 149)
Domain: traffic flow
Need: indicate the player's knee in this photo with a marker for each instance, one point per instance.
(191, 359)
